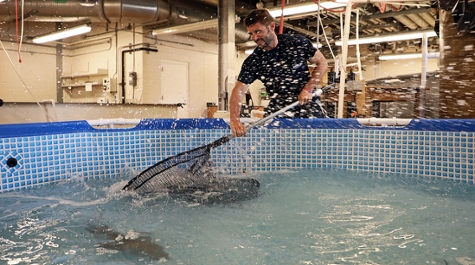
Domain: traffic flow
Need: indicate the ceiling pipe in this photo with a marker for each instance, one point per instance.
(406, 22)
(420, 22)
(428, 18)
(111, 11)
(378, 15)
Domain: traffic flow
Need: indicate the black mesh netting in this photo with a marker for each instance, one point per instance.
(190, 176)
(190, 168)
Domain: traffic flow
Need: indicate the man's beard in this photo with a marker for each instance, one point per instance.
(265, 41)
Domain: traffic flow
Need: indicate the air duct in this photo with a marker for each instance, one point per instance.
(127, 11)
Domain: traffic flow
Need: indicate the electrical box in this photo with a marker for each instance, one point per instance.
(106, 85)
(133, 78)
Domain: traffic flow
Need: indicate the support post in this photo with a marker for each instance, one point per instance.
(226, 52)
(344, 56)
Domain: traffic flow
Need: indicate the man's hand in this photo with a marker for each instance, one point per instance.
(238, 128)
(305, 96)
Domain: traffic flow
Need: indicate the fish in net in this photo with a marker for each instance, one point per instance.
(187, 169)
(190, 176)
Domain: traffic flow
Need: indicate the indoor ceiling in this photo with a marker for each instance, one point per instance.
(375, 18)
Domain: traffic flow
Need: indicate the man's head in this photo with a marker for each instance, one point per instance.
(260, 25)
(259, 15)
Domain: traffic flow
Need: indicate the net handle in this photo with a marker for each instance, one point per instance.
(225, 139)
(317, 92)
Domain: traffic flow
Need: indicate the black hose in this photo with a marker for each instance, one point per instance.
(122, 81)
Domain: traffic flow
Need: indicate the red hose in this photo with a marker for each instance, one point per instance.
(281, 25)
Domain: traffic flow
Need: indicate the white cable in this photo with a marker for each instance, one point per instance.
(358, 56)
(326, 39)
(342, 68)
(23, 82)
(22, 26)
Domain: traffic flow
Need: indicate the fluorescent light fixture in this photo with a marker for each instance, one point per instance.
(187, 27)
(317, 45)
(389, 38)
(407, 56)
(303, 8)
(63, 34)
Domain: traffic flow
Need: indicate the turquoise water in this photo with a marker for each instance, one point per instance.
(301, 217)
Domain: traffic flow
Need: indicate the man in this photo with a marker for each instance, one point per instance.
(280, 62)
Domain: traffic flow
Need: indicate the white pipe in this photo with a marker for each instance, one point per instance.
(112, 122)
(358, 55)
(362, 121)
(422, 93)
(53, 104)
(384, 121)
(185, 28)
(344, 55)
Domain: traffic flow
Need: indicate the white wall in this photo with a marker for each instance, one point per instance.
(37, 74)
(38, 71)
(202, 60)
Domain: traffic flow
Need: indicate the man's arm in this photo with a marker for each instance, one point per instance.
(235, 103)
(321, 67)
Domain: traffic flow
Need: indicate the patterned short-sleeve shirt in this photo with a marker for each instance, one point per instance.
(283, 71)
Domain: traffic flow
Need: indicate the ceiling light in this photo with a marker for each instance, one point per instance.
(63, 34)
(187, 27)
(407, 56)
(317, 45)
(389, 38)
(303, 8)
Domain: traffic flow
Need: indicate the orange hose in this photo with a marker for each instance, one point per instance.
(281, 26)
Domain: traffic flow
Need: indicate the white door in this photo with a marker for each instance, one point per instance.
(174, 88)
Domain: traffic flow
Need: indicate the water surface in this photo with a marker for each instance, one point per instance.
(301, 217)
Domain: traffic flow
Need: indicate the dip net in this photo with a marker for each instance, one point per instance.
(189, 168)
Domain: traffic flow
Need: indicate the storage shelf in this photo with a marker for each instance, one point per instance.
(80, 85)
(100, 72)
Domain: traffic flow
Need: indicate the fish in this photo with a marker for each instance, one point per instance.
(134, 244)
(219, 190)
(204, 188)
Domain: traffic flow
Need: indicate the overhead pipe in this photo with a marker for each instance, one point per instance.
(390, 14)
(406, 21)
(421, 23)
(111, 11)
(428, 18)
